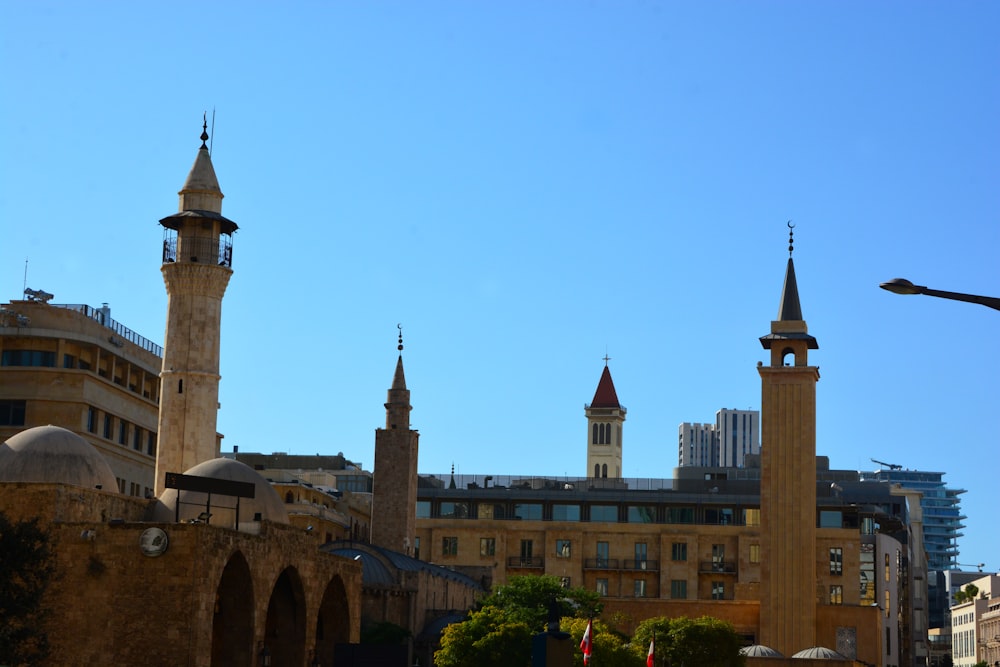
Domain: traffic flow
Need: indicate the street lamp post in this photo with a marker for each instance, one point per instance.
(904, 286)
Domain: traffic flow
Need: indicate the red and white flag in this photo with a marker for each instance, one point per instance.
(651, 656)
(587, 643)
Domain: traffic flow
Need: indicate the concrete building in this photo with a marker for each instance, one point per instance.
(975, 624)
(726, 443)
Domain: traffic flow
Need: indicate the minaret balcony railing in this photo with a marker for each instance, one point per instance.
(198, 250)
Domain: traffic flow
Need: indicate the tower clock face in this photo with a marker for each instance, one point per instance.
(153, 542)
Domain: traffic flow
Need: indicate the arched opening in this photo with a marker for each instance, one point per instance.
(289, 498)
(333, 622)
(285, 629)
(597, 470)
(604, 470)
(232, 622)
(595, 438)
(788, 357)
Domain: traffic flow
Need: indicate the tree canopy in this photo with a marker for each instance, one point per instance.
(527, 599)
(692, 642)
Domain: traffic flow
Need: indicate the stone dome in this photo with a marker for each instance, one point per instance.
(54, 455)
(760, 651)
(819, 653)
(266, 501)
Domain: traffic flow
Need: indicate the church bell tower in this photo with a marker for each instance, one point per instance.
(197, 264)
(605, 417)
(788, 478)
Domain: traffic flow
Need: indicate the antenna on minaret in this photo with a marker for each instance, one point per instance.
(791, 240)
(211, 141)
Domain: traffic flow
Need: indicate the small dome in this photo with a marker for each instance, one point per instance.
(819, 653)
(760, 651)
(265, 502)
(54, 455)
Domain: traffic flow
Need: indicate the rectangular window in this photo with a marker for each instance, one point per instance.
(831, 519)
(528, 511)
(887, 568)
(755, 553)
(680, 515)
(678, 589)
(527, 549)
(718, 590)
(487, 546)
(28, 358)
(12, 413)
(602, 554)
(602, 587)
(565, 581)
(449, 546)
(836, 594)
(604, 513)
(69, 361)
(565, 512)
(151, 443)
(107, 426)
(562, 548)
(423, 509)
(640, 555)
(887, 604)
(641, 514)
(137, 439)
(122, 432)
(91, 420)
(416, 547)
(639, 588)
(722, 516)
(679, 551)
(121, 485)
(718, 557)
(751, 517)
(451, 510)
(836, 560)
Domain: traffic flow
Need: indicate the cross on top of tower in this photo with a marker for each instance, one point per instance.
(606, 359)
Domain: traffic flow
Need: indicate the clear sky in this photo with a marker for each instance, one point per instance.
(526, 187)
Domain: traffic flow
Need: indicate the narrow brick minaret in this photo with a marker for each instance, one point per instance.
(197, 264)
(788, 478)
(605, 417)
(394, 494)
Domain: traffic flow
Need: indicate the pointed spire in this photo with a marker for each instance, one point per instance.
(398, 378)
(789, 310)
(451, 484)
(605, 396)
(201, 190)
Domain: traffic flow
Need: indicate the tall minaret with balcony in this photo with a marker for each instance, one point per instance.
(394, 492)
(788, 478)
(197, 264)
(605, 416)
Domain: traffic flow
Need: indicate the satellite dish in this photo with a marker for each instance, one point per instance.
(153, 542)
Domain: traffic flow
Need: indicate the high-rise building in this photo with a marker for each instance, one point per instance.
(697, 445)
(734, 435)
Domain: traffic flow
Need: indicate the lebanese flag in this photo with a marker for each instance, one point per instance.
(587, 643)
(651, 656)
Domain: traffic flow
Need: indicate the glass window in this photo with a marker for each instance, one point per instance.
(641, 514)
(831, 519)
(836, 594)
(423, 509)
(527, 547)
(528, 511)
(755, 553)
(449, 546)
(751, 517)
(602, 587)
(640, 554)
(836, 560)
(679, 551)
(678, 589)
(452, 510)
(562, 548)
(639, 588)
(680, 515)
(604, 513)
(565, 581)
(487, 546)
(565, 512)
(602, 554)
(107, 426)
(12, 413)
(28, 358)
(718, 590)
(722, 516)
(416, 547)
(151, 443)
(137, 439)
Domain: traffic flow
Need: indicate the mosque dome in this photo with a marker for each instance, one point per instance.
(223, 509)
(760, 651)
(819, 653)
(54, 455)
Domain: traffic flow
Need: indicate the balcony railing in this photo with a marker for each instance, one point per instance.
(717, 566)
(600, 564)
(649, 565)
(534, 562)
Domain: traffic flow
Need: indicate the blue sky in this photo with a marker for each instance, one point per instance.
(525, 187)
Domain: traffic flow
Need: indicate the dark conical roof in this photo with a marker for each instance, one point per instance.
(789, 309)
(605, 396)
(398, 378)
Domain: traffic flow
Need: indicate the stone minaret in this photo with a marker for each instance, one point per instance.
(788, 478)
(605, 416)
(197, 261)
(394, 495)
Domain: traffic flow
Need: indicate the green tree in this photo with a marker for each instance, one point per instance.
(611, 648)
(26, 567)
(527, 599)
(697, 642)
(967, 594)
(490, 637)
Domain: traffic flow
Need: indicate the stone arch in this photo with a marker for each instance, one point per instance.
(285, 627)
(232, 618)
(333, 621)
(788, 354)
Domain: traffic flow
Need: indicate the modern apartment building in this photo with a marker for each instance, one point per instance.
(726, 443)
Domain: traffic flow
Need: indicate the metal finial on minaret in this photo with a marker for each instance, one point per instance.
(204, 130)
(791, 241)
(400, 345)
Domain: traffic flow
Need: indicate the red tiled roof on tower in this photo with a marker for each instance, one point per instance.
(605, 396)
